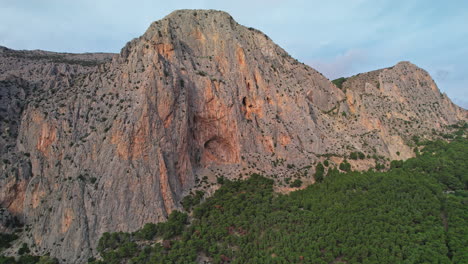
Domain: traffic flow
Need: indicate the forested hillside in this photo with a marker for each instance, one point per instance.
(414, 213)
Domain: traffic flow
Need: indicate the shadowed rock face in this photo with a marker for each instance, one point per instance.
(100, 144)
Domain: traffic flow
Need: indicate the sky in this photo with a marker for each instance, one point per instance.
(336, 37)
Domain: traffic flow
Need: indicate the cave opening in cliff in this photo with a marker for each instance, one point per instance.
(218, 149)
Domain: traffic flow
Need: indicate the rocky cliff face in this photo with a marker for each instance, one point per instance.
(94, 144)
(399, 103)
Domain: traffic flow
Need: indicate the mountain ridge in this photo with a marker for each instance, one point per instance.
(112, 145)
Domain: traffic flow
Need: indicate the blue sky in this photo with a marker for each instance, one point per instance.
(338, 38)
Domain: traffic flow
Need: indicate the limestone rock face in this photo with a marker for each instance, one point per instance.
(400, 102)
(103, 142)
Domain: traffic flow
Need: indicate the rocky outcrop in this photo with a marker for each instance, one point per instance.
(400, 102)
(105, 145)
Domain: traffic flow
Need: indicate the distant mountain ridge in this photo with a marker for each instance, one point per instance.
(107, 142)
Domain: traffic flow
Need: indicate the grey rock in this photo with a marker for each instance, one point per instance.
(105, 142)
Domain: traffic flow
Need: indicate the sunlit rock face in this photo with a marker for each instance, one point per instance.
(109, 142)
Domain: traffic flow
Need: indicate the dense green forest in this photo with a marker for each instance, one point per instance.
(414, 213)
(417, 212)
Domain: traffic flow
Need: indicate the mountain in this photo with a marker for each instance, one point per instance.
(108, 142)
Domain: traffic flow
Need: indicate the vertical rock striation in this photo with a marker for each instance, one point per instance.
(100, 144)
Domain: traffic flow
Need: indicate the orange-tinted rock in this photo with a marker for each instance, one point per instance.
(113, 146)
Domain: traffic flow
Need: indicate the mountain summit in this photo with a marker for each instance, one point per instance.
(108, 142)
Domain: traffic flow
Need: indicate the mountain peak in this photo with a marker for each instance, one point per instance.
(193, 18)
(197, 13)
(407, 65)
(185, 25)
(198, 96)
